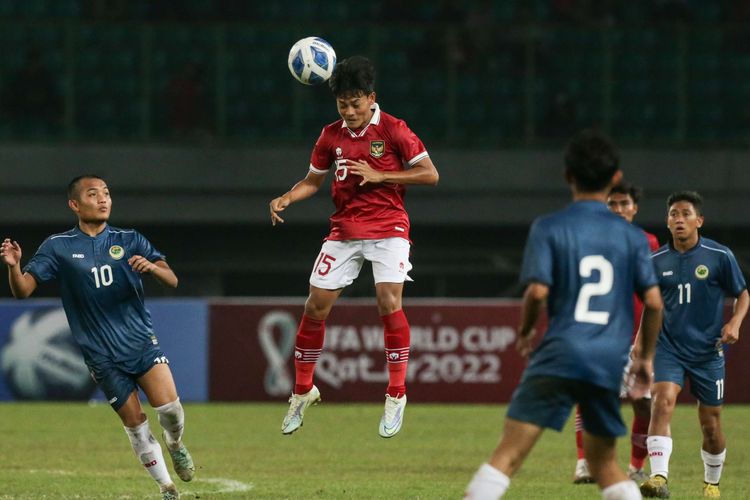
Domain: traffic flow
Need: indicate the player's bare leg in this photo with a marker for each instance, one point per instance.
(714, 450)
(145, 446)
(602, 459)
(307, 349)
(659, 441)
(159, 387)
(493, 477)
(397, 341)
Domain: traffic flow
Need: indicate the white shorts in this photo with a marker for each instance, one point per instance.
(339, 262)
(625, 386)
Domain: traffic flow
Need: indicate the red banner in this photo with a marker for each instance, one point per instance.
(461, 351)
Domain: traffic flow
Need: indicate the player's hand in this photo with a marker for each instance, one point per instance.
(141, 264)
(730, 334)
(640, 378)
(277, 205)
(523, 344)
(364, 170)
(10, 252)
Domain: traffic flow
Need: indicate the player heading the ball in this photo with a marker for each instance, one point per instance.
(373, 156)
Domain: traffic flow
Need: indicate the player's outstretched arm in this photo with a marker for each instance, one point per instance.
(534, 299)
(300, 191)
(731, 331)
(422, 172)
(21, 284)
(160, 270)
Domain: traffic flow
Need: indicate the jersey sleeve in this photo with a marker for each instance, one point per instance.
(645, 275)
(322, 156)
(44, 265)
(732, 280)
(537, 256)
(409, 147)
(653, 242)
(144, 248)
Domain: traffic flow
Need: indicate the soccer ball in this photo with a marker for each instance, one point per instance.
(41, 359)
(311, 60)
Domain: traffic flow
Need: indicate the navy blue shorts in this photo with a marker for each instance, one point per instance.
(118, 379)
(547, 402)
(706, 377)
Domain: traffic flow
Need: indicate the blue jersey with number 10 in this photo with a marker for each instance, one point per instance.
(101, 294)
(593, 261)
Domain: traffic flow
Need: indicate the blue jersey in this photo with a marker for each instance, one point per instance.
(694, 285)
(593, 261)
(102, 296)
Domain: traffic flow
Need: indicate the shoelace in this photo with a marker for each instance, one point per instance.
(391, 407)
(296, 402)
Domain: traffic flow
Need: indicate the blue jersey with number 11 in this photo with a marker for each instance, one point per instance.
(593, 261)
(101, 294)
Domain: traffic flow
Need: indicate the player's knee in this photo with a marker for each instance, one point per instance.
(388, 303)
(316, 310)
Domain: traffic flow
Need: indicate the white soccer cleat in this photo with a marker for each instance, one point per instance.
(169, 492)
(298, 403)
(393, 416)
(582, 474)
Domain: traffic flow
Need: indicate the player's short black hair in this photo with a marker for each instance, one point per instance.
(591, 159)
(689, 196)
(629, 189)
(352, 77)
(73, 185)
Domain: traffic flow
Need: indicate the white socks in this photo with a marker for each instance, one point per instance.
(487, 484)
(624, 490)
(659, 451)
(148, 451)
(712, 466)
(172, 420)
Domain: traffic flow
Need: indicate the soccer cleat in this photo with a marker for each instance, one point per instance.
(181, 461)
(655, 487)
(582, 474)
(638, 476)
(711, 490)
(298, 403)
(169, 492)
(393, 416)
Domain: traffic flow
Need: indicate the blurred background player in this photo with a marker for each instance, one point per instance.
(375, 155)
(695, 274)
(99, 269)
(623, 200)
(588, 283)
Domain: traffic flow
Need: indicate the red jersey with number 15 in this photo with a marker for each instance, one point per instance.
(653, 244)
(372, 211)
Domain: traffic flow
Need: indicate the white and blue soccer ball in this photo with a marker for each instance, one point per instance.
(311, 60)
(41, 359)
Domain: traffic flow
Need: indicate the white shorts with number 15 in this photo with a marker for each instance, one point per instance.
(339, 262)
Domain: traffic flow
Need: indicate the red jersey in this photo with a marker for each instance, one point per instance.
(372, 211)
(653, 244)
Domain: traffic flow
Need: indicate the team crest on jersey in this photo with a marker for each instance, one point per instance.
(701, 272)
(116, 252)
(377, 148)
(339, 152)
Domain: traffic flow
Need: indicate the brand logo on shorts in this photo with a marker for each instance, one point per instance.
(667, 273)
(116, 252)
(377, 148)
(161, 360)
(701, 272)
(78, 256)
(113, 400)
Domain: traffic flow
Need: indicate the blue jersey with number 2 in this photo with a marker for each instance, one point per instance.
(102, 296)
(593, 261)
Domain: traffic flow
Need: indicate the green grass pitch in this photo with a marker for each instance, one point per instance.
(78, 451)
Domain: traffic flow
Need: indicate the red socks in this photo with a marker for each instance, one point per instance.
(579, 433)
(307, 349)
(397, 342)
(639, 433)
